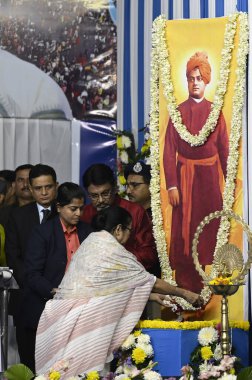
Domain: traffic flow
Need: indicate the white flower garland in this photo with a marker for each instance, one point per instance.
(226, 55)
(160, 62)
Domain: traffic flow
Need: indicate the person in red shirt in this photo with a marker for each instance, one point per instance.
(100, 184)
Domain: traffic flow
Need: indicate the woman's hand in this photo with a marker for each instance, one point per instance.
(193, 298)
(159, 298)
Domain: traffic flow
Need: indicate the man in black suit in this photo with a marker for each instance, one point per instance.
(49, 252)
(43, 186)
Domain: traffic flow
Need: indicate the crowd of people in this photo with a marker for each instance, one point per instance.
(76, 46)
(68, 257)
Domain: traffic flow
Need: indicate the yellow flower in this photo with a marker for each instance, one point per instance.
(148, 142)
(232, 371)
(93, 375)
(54, 375)
(137, 332)
(206, 352)
(119, 142)
(122, 180)
(138, 355)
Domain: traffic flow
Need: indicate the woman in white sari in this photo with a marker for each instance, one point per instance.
(99, 300)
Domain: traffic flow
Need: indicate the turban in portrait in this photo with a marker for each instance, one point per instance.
(200, 60)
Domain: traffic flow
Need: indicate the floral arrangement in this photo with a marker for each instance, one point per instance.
(134, 358)
(207, 362)
(161, 71)
(127, 153)
(221, 280)
(133, 361)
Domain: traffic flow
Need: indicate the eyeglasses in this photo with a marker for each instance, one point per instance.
(128, 228)
(104, 195)
(134, 185)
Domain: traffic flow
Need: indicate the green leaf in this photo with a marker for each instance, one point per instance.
(245, 374)
(18, 371)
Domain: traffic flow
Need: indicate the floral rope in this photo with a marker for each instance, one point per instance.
(226, 55)
(160, 62)
(174, 325)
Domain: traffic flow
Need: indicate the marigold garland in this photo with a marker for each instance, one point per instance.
(196, 325)
(160, 62)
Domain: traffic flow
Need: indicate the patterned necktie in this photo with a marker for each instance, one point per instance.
(46, 213)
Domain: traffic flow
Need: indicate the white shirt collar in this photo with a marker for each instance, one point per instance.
(197, 100)
(40, 208)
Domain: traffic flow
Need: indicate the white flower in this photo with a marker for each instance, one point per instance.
(119, 369)
(126, 142)
(40, 377)
(129, 342)
(121, 377)
(205, 367)
(207, 335)
(146, 136)
(152, 375)
(228, 377)
(129, 370)
(73, 378)
(124, 157)
(218, 352)
(143, 338)
(148, 349)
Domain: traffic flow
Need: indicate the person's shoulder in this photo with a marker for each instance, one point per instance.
(84, 226)
(88, 213)
(23, 210)
(130, 206)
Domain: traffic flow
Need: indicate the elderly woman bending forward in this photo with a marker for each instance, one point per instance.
(99, 300)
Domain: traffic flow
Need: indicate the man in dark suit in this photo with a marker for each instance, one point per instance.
(49, 252)
(43, 186)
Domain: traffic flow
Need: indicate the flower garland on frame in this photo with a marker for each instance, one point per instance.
(226, 55)
(160, 62)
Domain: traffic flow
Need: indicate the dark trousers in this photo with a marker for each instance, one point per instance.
(26, 339)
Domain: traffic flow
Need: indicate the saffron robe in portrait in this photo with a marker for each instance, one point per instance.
(197, 172)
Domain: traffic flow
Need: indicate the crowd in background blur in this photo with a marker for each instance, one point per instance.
(76, 46)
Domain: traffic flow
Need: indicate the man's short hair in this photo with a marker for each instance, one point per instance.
(8, 175)
(139, 168)
(23, 167)
(3, 186)
(67, 191)
(98, 174)
(39, 170)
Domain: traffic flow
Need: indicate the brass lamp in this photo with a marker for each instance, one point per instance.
(229, 271)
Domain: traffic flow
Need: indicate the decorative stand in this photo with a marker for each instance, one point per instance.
(224, 291)
(229, 272)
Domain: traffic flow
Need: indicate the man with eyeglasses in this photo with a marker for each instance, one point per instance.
(100, 184)
(193, 176)
(138, 178)
(43, 186)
